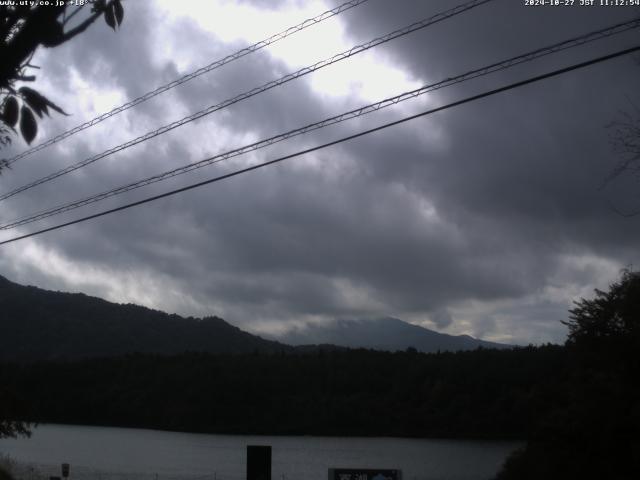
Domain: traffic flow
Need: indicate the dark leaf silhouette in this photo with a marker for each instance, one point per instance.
(10, 113)
(118, 11)
(110, 17)
(35, 101)
(38, 102)
(28, 125)
(51, 34)
(98, 6)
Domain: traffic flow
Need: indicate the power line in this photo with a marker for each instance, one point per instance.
(335, 142)
(526, 57)
(255, 91)
(190, 76)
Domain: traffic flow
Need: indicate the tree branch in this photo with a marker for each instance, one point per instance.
(73, 14)
(77, 30)
(616, 210)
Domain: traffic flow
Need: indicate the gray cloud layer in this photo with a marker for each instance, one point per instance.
(485, 219)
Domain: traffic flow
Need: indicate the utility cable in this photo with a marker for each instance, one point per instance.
(527, 57)
(255, 91)
(335, 142)
(190, 76)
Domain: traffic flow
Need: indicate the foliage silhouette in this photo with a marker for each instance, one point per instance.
(23, 28)
(593, 431)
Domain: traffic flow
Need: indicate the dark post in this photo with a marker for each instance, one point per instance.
(258, 462)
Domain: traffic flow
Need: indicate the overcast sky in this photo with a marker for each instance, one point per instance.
(487, 219)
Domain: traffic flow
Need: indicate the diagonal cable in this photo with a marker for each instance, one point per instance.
(235, 173)
(255, 91)
(190, 76)
(511, 62)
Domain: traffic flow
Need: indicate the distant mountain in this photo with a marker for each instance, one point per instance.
(37, 324)
(382, 334)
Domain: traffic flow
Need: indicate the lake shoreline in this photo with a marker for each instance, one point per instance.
(113, 453)
(479, 438)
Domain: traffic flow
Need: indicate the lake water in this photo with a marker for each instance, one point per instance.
(99, 453)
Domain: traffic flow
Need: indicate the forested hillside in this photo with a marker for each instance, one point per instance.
(37, 324)
(484, 393)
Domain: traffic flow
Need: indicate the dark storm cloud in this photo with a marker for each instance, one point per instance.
(523, 175)
(483, 219)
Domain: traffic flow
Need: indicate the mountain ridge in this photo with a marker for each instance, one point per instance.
(383, 333)
(38, 324)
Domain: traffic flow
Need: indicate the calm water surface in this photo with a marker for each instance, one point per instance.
(100, 453)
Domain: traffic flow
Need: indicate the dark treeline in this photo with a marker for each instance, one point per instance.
(477, 394)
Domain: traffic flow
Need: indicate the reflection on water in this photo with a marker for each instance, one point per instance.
(100, 453)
